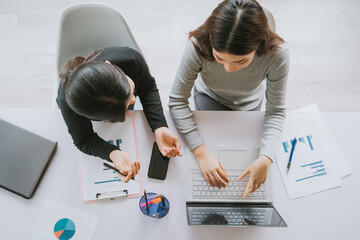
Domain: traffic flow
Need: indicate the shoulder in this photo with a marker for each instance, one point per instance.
(119, 49)
(119, 54)
(190, 51)
(128, 59)
(281, 54)
(279, 59)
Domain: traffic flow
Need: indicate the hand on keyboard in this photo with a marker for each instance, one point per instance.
(211, 168)
(258, 171)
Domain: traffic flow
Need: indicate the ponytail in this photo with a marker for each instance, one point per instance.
(68, 68)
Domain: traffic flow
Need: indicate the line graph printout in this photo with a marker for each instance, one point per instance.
(99, 182)
(313, 167)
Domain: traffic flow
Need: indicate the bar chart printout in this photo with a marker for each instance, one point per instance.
(316, 169)
(287, 144)
(99, 182)
(109, 176)
(309, 171)
(317, 163)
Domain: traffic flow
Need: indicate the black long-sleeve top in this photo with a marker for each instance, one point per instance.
(134, 66)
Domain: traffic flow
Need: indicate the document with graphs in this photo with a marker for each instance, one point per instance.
(99, 182)
(317, 163)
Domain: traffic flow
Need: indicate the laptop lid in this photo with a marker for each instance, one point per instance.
(233, 214)
(24, 157)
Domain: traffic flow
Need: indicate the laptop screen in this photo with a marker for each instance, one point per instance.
(233, 214)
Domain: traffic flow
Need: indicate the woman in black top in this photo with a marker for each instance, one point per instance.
(102, 87)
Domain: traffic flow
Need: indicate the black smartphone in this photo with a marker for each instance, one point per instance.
(158, 164)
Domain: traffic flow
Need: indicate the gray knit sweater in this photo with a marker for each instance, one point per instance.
(242, 90)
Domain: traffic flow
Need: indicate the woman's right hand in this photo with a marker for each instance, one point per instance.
(211, 167)
(122, 162)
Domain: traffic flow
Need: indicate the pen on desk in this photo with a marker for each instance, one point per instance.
(291, 154)
(117, 170)
(146, 201)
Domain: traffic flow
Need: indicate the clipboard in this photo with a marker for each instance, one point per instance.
(99, 183)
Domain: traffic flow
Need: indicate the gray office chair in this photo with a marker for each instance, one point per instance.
(270, 19)
(85, 27)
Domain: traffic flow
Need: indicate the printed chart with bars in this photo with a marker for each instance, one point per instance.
(287, 148)
(109, 176)
(310, 166)
(314, 165)
(99, 182)
(316, 169)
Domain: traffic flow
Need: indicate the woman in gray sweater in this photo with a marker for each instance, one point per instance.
(235, 62)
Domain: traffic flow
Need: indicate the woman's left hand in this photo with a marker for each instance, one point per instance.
(167, 142)
(258, 171)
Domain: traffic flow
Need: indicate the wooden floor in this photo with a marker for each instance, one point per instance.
(323, 37)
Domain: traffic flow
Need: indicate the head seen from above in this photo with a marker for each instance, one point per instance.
(97, 90)
(236, 31)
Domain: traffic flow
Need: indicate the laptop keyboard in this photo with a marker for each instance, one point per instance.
(234, 190)
(231, 216)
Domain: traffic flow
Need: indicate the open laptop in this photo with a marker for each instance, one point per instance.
(208, 205)
(24, 157)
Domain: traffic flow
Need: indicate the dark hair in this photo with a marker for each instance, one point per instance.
(95, 89)
(237, 27)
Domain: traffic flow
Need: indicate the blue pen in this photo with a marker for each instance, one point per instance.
(291, 154)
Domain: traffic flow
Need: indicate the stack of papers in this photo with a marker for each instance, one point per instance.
(318, 163)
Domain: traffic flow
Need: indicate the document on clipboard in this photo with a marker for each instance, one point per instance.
(99, 182)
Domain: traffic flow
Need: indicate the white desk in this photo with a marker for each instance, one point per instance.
(332, 214)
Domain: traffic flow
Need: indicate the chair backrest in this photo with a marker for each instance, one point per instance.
(85, 27)
(270, 19)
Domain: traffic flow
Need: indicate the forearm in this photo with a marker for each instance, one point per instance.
(83, 135)
(96, 146)
(275, 104)
(184, 122)
(272, 129)
(190, 65)
(153, 109)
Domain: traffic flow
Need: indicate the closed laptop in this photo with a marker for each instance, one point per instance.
(24, 157)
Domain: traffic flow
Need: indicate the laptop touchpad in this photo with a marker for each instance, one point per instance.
(233, 159)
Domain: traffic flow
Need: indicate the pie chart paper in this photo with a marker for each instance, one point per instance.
(64, 229)
(57, 221)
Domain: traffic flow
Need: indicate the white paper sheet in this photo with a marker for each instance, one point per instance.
(315, 161)
(57, 221)
(342, 165)
(98, 182)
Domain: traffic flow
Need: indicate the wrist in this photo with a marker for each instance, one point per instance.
(159, 129)
(266, 160)
(114, 154)
(199, 151)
